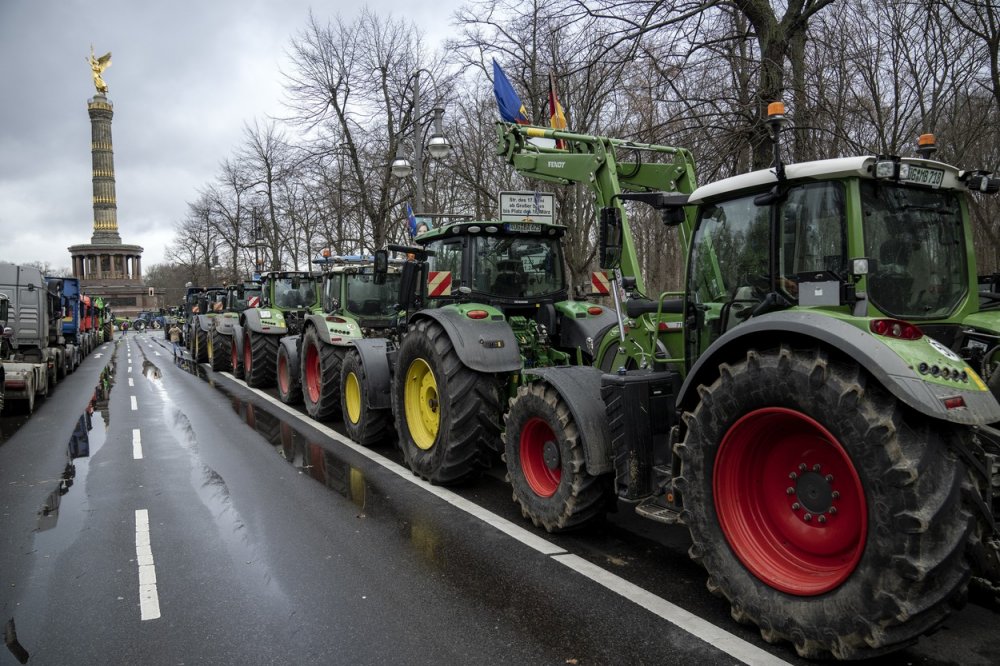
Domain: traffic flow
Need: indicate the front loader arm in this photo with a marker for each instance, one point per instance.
(593, 160)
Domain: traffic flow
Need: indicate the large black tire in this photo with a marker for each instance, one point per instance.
(773, 441)
(260, 355)
(235, 358)
(200, 353)
(364, 425)
(109, 332)
(289, 385)
(452, 411)
(545, 462)
(219, 354)
(320, 365)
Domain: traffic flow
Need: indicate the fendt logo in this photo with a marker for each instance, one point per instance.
(557, 165)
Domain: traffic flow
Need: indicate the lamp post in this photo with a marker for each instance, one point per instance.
(437, 145)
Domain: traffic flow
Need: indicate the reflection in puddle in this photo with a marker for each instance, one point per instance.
(88, 436)
(307, 456)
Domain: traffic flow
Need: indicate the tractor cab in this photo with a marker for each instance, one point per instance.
(243, 295)
(294, 294)
(352, 287)
(511, 265)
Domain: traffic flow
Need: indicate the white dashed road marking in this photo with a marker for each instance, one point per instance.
(149, 599)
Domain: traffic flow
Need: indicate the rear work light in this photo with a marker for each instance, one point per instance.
(894, 328)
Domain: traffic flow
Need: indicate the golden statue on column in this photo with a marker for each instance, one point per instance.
(97, 66)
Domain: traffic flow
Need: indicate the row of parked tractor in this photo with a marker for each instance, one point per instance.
(818, 406)
(48, 327)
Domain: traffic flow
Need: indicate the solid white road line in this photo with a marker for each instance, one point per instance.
(715, 636)
(135, 405)
(149, 599)
(136, 444)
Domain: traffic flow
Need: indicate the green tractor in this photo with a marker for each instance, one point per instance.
(485, 300)
(288, 297)
(359, 309)
(222, 353)
(826, 435)
(205, 306)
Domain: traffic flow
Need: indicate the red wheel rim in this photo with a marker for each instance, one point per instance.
(542, 479)
(313, 373)
(247, 355)
(790, 501)
(234, 354)
(283, 372)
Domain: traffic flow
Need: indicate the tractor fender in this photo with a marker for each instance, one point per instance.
(483, 345)
(224, 324)
(256, 323)
(585, 333)
(579, 386)
(876, 357)
(205, 322)
(332, 333)
(374, 355)
(292, 343)
(238, 339)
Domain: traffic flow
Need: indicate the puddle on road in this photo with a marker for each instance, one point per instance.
(88, 437)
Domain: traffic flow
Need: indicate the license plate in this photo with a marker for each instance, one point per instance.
(522, 227)
(921, 175)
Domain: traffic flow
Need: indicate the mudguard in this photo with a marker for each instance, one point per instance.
(224, 324)
(374, 353)
(205, 321)
(580, 388)
(585, 332)
(291, 343)
(875, 356)
(333, 333)
(483, 345)
(264, 320)
(238, 339)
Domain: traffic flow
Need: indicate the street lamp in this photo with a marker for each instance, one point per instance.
(438, 145)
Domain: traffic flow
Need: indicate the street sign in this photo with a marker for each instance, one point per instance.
(527, 207)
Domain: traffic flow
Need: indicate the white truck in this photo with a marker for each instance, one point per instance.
(29, 349)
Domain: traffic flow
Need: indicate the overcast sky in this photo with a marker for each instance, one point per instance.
(185, 77)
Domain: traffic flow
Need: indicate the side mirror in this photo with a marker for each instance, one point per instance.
(610, 249)
(381, 266)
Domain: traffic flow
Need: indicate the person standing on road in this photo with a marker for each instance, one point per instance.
(125, 327)
(175, 337)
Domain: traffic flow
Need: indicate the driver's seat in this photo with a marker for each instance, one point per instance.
(510, 279)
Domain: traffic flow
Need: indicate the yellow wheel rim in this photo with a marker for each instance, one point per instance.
(420, 403)
(352, 397)
(210, 350)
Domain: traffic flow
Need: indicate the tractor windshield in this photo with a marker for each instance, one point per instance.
(288, 297)
(367, 299)
(242, 303)
(517, 266)
(916, 238)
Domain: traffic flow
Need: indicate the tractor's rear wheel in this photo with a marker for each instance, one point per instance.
(200, 353)
(321, 365)
(447, 416)
(545, 463)
(260, 353)
(825, 511)
(219, 355)
(289, 386)
(235, 360)
(364, 425)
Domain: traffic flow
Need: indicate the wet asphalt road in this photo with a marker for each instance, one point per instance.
(190, 528)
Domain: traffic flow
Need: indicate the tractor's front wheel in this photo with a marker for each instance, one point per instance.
(545, 463)
(289, 386)
(364, 425)
(826, 512)
(218, 352)
(320, 365)
(235, 358)
(260, 353)
(200, 353)
(447, 416)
